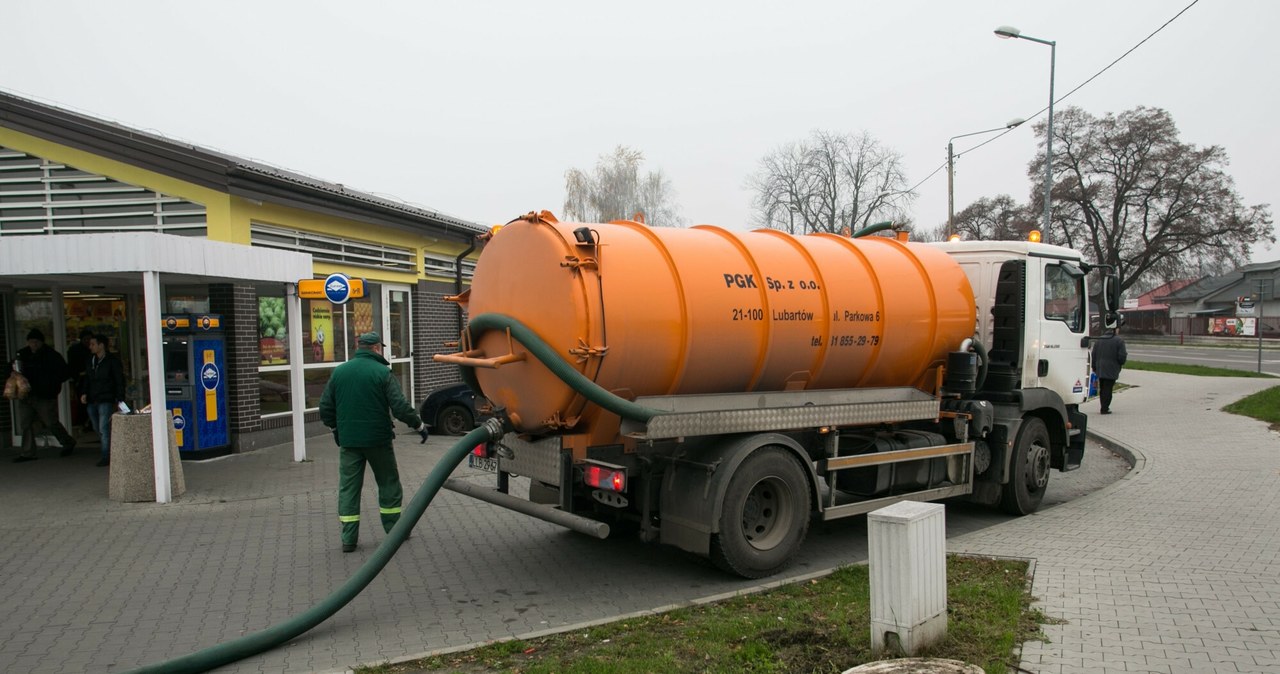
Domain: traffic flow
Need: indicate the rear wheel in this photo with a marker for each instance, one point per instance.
(454, 420)
(1030, 470)
(764, 515)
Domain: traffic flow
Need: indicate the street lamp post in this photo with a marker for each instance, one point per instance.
(1007, 32)
(951, 172)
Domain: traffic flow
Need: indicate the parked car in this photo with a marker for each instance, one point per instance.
(451, 410)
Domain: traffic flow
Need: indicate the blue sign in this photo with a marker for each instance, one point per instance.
(337, 288)
(182, 423)
(208, 418)
(209, 376)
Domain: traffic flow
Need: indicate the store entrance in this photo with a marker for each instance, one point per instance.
(61, 315)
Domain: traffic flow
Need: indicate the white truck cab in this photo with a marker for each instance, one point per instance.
(1042, 338)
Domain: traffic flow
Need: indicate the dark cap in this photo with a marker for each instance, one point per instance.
(370, 338)
(35, 334)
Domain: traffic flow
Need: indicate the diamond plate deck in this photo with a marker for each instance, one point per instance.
(695, 415)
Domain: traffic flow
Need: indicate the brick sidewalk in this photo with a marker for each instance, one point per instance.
(1172, 569)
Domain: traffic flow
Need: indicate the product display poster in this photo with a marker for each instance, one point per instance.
(322, 331)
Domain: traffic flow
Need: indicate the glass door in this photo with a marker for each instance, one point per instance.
(397, 329)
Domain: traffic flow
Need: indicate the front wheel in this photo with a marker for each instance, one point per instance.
(764, 515)
(454, 420)
(1030, 470)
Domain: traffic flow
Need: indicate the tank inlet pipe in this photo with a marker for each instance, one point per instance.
(566, 372)
(981, 350)
(872, 229)
(224, 653)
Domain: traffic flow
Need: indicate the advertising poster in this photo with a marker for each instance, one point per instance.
(362, 316)
(321, 331)
(273, 337)
(1232, 327)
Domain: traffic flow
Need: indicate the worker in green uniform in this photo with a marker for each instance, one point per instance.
(355, 404)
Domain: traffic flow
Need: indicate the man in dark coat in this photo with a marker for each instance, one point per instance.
(45, 369)
(355, 404)
(101, 390)
(1109, 355)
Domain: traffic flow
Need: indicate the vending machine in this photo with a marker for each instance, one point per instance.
(195, 383)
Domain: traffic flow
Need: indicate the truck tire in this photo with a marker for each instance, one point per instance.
(1029, 474)
(764, 515)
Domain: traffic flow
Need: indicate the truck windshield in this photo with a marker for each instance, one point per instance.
(1064, 297)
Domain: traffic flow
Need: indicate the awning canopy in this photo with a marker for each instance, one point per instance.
(126, 254)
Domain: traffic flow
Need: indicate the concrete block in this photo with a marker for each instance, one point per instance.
(133, 471)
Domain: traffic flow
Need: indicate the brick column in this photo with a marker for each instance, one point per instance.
(238, 305)
(435, 322)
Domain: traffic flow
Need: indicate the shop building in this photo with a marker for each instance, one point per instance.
(92, 212)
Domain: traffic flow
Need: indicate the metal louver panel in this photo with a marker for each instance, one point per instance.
(38, 196)
(324, 247)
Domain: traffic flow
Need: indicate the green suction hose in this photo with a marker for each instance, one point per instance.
(224, 653)
(554, 362)
(492, 429)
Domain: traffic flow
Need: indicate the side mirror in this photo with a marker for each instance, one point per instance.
(1111, 318)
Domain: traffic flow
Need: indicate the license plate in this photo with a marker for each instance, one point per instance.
(482, 463)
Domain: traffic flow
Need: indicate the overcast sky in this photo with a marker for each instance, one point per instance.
(477, 108)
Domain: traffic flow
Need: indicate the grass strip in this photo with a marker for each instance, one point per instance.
(1196, 370)
(1263, 405)
(820, 625)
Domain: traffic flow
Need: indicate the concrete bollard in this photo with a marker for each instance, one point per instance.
(132, 473)
(908, 566)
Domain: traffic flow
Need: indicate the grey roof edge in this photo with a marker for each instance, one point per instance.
(1203, 288)
(212, 169)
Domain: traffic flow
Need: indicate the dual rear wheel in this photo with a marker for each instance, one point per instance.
(764, 516)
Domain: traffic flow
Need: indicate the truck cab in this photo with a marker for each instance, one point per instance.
(1032, 313)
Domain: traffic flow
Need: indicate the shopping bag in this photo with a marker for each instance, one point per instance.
(16, 387)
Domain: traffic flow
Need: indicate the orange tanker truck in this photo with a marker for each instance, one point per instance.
(717, 390)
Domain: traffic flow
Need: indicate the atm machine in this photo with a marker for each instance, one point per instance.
(195, 383)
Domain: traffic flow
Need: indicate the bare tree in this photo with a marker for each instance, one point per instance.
(1127, 191)
(993, 219)
(617, 190)
(829, 183)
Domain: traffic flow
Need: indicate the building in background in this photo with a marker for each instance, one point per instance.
(75, 177)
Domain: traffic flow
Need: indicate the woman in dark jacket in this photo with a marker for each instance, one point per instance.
(102, 390)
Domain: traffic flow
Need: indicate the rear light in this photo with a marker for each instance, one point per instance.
(609, 478)
(481, 450)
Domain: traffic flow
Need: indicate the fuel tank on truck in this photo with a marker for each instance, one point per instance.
(660, 311)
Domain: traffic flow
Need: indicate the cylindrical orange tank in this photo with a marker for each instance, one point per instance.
(655, 311)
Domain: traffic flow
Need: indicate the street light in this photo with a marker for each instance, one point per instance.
(951, 172)
(1006, 32)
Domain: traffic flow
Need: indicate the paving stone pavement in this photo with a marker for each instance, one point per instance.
(1173, 568)
(97, 586)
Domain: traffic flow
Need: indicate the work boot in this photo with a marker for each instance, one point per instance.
(348, 547)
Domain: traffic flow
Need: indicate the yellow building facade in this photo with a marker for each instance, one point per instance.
(65, 174)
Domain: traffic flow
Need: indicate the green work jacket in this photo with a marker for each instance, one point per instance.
(357, 399)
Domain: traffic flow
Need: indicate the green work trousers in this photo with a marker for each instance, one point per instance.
(351, 461)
